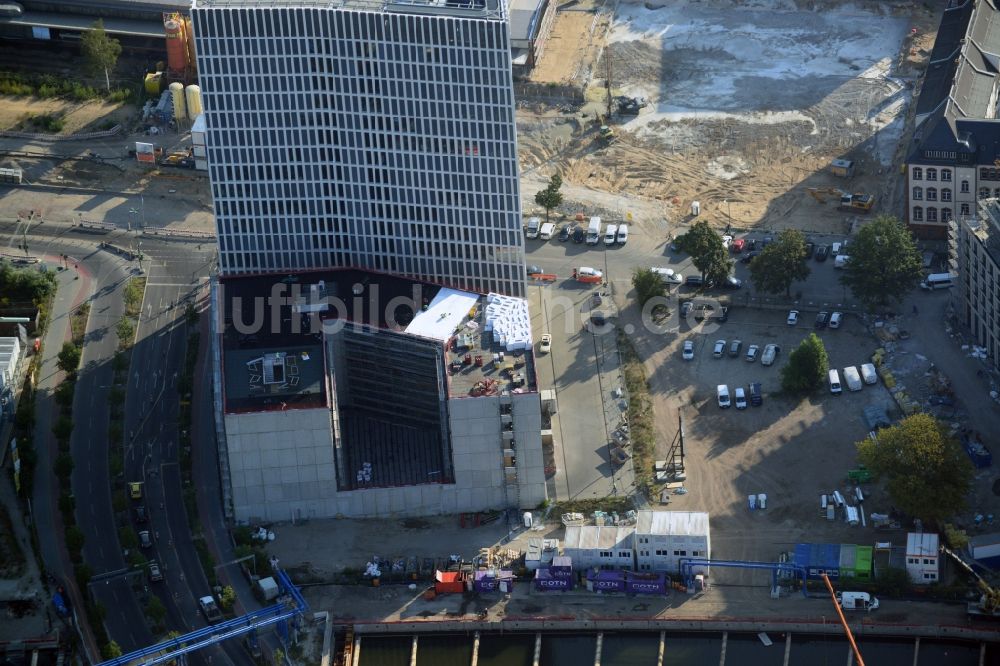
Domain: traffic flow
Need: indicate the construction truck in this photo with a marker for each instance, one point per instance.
(630, 106)
(210, 610)
(856, 201)
(605, 134)
(989, 596)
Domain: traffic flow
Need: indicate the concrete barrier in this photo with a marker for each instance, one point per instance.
(34, 136)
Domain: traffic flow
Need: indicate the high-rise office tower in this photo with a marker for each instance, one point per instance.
(366, 134)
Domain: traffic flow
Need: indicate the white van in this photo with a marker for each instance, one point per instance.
(594, 231)
(857, 601)
(610, 234)
(668, 276)
(852, 378)
(841, 260)
(868, 374)
(937, 281)
(531, 231)
(545, 233)
(834, 378)
(622, 234)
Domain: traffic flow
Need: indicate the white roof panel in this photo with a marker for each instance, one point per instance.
(444, 314)
(673, 523)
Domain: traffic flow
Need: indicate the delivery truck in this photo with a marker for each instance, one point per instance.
(852, 378)
(594, 231)
(857, 601)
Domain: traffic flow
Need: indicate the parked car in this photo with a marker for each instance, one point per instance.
(155, 575)
(565, 233)
(694, 281)
(752, 353)
(751, 245)
(595, 299)
(145, 540)
(810, 249)
(722, 395)
(770, 352)
(749, 256)
(835, 248)
(756, 395)
(737, 245)
(686, 308)
(835, 320)
(821, 320)
(579, 235)
(598, 317)
(740, 398)
(703, 311)
(726, 240)
(793, 317)
(534, 270)
(688, 353)
(822, 252)
(545, 346)
(868, 373)
(140, 514)
(732, 283)
(734, 348)
(720, 349)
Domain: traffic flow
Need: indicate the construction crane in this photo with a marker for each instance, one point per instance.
(290, 607)
(989, 601)
(843, 621)
(856, 201)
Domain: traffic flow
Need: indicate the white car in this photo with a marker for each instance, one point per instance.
(726, 240)
(720, 349)
(688, 352)
(769, 354)
(545, 345)
(722, 393)
(752, 353)
(793, 317)
(835, 319)
(740, 397)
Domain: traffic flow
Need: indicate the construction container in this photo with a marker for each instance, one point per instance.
(177, 96)
(193, 97)
(267, 588)
(842, 168)
(985, 549)
(818, 558)
(493, 580)
(645, 583)
(547, 579)
(848, 560)
(605, 581)
(449, 582)
(177, 50)
(863, 563)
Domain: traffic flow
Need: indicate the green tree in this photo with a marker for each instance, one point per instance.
(885, 263)
(550, 197)
(63, 466)
(62, 429)
(127, 537)
(111, 650)
(807, 367)
(74, 542)
(708, 254)
(67, 505)
(227, 598)
(927, 473)
(124, 330)
(100, 51)
(647, 285)
(156, 611)
(780, 264)
(68, 359)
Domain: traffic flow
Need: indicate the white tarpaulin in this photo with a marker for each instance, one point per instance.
(507, 317)
(444, 314)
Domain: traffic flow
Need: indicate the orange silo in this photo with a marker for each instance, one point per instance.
(176, 46)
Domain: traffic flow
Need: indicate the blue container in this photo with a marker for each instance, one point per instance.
(606, 581)
(818, 558)
(546, 579)
(645, 583)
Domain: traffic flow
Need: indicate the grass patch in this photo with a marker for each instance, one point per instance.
(78, 323)
(48, 86)
(133, 296)
(589, 506)
(640, 414)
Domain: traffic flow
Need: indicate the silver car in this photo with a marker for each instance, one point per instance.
(752, 353)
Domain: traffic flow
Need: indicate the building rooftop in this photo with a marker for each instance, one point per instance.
(489, 9)
(524, 18)
(672, 523)
(595, 537)
(922, 544)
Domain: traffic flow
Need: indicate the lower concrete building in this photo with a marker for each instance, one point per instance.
(348, 393)
(600, 546)
(663, 538)
(922, 555)
(975, 257)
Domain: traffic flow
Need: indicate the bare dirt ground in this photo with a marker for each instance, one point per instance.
(15, 113)
(748, 103)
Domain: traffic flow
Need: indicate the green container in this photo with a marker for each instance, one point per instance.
(848, 557)
(863, 563)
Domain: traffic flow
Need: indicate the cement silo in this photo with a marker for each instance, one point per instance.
(193, 94)
(176, 44)
(177, 95)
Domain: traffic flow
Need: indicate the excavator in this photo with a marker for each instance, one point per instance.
(857, 201)
(989, 600)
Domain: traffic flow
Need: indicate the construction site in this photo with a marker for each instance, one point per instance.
(742, 109)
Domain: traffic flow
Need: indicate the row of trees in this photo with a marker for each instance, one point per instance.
(885, 263)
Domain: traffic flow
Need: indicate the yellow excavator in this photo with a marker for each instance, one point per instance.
(856, 201)
(989, 601)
